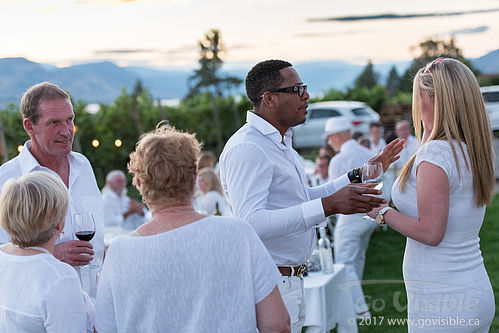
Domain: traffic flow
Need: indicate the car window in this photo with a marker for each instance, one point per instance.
(361, 112)
(324, 113)
(491, 97)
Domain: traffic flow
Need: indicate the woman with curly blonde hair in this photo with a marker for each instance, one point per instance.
(441, 194)
(184, 271)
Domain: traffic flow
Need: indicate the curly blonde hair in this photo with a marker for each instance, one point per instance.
(164, 165)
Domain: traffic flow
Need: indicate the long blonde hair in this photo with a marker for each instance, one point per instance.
(459, 115)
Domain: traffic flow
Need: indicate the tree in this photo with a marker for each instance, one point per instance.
(368, 78)
(393, 82)
(208, 78)
(428, 50)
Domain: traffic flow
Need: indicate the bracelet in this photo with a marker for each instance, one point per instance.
(354, 175)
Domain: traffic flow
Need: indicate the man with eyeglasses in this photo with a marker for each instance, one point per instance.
(265, 184)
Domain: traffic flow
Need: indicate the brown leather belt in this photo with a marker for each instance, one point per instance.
(297, 270)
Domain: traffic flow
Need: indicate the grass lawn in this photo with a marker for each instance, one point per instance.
(383, 285)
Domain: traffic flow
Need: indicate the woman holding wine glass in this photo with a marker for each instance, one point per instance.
(441, 194)
(184, 271)
(39, 293)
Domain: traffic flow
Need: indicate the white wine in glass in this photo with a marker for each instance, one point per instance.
(372, 173)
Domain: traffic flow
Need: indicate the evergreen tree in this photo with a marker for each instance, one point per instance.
(208, 79)
(368, 78)
(393, 82)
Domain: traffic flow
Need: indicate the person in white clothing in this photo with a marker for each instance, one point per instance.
(212, 197)
(38, 292)
(48, 119)
(442, 193)
(201, 273)
(376, 138)
(352, 232)
(265, 183)
(403, 131)
(120, 210)
(321, 176)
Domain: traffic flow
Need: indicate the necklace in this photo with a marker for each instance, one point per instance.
(34, 248)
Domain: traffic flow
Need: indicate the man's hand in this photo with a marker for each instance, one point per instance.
(74, 252)
(351, 199)
(389, 154)
(134, 207)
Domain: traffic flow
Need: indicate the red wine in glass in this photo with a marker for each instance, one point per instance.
(84, 229)
(85, 235)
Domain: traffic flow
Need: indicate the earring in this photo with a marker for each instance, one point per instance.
(61, 234)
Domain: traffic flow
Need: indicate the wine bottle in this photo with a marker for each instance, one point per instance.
(326, 253)
(217, 210)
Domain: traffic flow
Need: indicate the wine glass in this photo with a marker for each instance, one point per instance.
(372, 173)
(84, 229)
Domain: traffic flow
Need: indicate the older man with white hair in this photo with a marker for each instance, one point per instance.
(120, 210)
(352, 232)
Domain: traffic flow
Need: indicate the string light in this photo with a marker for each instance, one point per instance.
(95, 143)
(118, 143)
(19, 148)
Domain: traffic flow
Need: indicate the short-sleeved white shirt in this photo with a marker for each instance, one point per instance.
(206, 276)
(39, 293)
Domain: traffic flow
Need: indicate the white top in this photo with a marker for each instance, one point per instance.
(265, 184)
(457, 259)
(377, 148)
(206, 276)
(84, 195)
(316, 180)
(39, 294)
(206, 203)
(410, 147)
(351, 155)
(114, 208)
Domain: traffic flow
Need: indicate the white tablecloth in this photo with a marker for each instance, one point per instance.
(327, 303)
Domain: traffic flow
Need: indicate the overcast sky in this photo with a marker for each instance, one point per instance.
(165, 33)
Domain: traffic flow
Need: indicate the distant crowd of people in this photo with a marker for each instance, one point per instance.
(222, 247)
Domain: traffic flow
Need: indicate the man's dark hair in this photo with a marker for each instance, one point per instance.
(263, 77)
(375, 124)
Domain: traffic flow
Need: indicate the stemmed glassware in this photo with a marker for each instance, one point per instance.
(372, 173)
(84, 229)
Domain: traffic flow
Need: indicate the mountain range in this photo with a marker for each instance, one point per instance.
(101, 82)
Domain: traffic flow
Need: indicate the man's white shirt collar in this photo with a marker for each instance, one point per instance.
(29, 163)
(268, 129)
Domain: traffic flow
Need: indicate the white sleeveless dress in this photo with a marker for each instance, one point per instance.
(448, 289)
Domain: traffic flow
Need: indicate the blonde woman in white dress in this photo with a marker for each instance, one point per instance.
(441, 195)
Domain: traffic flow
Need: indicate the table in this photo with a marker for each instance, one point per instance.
(327, 303)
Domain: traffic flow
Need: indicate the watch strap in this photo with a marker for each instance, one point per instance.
(354, 175)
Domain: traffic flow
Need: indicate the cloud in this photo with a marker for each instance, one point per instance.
(330, 33)
(125, 51)
(399, 16)
(467, 31)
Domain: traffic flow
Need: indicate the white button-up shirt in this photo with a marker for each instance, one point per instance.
(265, 184)
(84, 195)
(351, 155)
(410, 147)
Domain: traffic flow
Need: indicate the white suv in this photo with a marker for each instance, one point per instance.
(491, 98)
(310, 134)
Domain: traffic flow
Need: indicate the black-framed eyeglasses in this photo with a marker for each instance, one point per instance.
(300, 89)
(431, 64)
